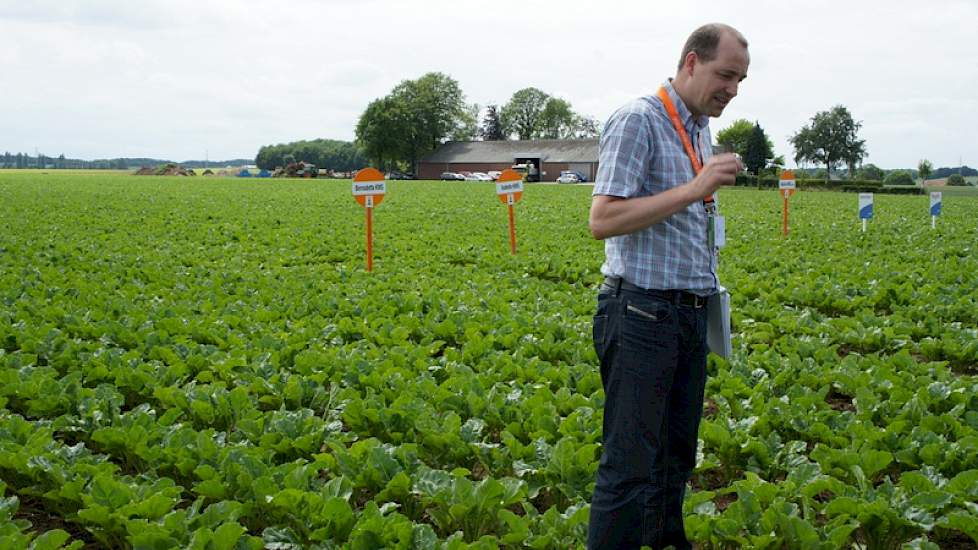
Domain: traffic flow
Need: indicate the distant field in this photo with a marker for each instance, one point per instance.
(191, 362)
(949, 191)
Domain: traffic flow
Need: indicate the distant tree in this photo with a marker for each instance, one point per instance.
(899, 177)
(734, 138)
(414, 119)
(870, 172)
(585, 127)
(831, 139)
(61, 162)
(956, 180)
(381, 129)
(523, 113)
(467, 125)
(557, 120)
(758, 151)
(924, 170)
(491, 128)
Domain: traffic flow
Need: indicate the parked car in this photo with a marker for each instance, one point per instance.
(568, 177)
(394, 175)
(480, 176)
(494, 174)
(452, 176)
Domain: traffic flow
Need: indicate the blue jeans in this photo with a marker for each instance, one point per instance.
(653, 368)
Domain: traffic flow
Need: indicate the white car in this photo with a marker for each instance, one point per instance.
(568, 177)
(481, 176)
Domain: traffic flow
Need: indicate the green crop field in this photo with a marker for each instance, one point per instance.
(204, 363)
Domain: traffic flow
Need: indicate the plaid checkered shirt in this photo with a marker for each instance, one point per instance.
(641, 154)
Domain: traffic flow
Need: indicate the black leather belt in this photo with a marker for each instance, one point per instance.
(678, 297)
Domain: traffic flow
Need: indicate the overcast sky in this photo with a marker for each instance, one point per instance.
(183, 78)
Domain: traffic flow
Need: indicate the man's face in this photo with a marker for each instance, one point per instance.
(714, 83)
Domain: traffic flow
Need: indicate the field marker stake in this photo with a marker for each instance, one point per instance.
(368, 190)
(509, 189)
(787, 185)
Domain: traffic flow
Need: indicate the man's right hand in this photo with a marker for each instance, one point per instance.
(719, 170)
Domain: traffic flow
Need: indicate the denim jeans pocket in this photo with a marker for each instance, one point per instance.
(647, 324)
(599, 334)
(651, 309)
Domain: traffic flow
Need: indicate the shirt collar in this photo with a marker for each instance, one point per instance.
(685, 114)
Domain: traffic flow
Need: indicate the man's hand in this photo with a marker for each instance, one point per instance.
(719, 170)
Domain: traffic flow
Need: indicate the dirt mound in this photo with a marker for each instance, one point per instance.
(164, 170)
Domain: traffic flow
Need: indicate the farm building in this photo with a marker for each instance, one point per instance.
(550, 156)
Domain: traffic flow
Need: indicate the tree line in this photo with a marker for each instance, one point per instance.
(329, 154)
(25, 161)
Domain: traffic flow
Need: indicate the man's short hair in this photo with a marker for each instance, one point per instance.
(704, 42)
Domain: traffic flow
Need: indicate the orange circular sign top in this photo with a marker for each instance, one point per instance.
(369, 182)
(368, 174)
(509, 176)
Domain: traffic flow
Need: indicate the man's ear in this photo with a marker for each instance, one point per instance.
(689, 64)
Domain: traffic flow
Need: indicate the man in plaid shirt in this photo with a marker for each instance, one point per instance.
(652, 205)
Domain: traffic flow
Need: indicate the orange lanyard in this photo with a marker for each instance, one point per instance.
(683, 136)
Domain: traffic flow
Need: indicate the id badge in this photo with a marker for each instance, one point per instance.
(719, 232)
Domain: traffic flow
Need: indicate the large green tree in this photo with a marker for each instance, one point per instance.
(523, 114)
(381, 131)
(734, 138)
(557, 121)
(831, 139)
(414, 119)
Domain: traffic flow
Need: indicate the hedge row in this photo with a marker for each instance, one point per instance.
(856, 186)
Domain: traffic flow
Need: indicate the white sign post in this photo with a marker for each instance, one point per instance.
(865, 208)
(935, 208)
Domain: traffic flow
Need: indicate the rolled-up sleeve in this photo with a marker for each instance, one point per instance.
(624, 154)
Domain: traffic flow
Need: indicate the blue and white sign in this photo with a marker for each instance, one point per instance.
(865, 206)
(935, 203)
